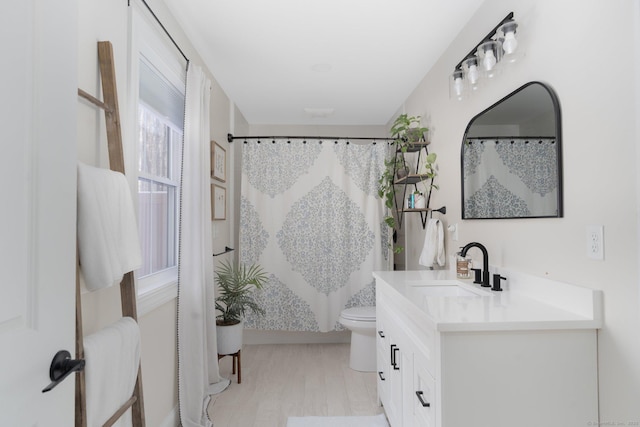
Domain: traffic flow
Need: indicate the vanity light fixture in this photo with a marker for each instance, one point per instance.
(483, 61)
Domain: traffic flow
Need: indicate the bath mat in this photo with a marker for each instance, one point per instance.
(371, 421)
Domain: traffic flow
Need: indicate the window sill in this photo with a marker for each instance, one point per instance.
(151, 298)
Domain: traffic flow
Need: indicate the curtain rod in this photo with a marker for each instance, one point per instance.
(512, 137)
(163, 29)
(230, 137)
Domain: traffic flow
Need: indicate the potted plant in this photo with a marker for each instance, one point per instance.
(236, 283)
(406, 131)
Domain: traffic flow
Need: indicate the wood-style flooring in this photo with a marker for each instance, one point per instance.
(283, 380)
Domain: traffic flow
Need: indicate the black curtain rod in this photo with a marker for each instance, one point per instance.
(230, 137)
(512, 137)
(163, 29)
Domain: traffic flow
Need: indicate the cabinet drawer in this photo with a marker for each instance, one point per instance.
(382, 375)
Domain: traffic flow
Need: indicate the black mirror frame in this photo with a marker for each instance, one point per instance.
(558, 130)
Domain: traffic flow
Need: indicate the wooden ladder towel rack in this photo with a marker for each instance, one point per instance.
(127, 285)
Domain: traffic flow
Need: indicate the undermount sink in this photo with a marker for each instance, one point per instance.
(445, 288)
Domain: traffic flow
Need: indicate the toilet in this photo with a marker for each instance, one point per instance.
(362, 323)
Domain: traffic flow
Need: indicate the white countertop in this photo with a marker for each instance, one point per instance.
(527, 303)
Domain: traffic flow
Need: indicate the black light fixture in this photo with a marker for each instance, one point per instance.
(483, 61)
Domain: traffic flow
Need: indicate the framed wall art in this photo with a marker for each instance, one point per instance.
(218, 162)
(218, 202)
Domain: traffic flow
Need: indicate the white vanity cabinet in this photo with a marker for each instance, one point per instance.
(489, 361)
(408, 389)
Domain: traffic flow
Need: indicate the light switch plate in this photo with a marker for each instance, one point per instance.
(595, 242)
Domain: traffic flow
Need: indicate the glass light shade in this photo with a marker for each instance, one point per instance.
(511, 50)
(489, 54)
(457, 85)
(507, 32)
(471, 71)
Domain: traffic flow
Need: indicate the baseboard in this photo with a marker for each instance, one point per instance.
(254, 336)
(171, 420)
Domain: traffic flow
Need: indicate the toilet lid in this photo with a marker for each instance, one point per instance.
(362, 314)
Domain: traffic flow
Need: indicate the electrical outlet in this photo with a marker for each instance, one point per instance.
(595, 242)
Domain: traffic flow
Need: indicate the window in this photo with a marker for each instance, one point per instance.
(159, 148)
(160, 78)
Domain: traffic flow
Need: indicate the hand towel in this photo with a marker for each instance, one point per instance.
(108, 241)
(112, 358)
(433, 249)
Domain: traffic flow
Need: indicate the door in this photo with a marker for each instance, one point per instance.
(38, 87)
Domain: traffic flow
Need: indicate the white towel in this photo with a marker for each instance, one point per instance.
(108, 241)
(433, 249)
(112, 358)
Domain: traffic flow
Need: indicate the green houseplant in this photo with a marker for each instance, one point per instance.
(236, 284)
(406, 131)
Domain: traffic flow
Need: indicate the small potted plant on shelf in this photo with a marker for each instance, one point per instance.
(406, 131)
(236, 283)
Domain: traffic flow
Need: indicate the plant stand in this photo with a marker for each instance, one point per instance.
(412, 179)
(235, 363)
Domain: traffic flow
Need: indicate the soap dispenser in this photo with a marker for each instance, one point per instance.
(463, 267)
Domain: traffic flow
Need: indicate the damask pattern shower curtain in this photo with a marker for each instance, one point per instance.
(310, 216)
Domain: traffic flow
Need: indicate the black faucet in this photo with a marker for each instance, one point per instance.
(485, 261)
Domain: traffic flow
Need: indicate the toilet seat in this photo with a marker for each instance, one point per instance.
(360, 314)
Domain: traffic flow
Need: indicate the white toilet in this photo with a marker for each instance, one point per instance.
(362, 323)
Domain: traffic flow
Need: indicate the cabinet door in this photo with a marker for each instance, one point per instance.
(407, 389)
(423, 396)
(382, 359)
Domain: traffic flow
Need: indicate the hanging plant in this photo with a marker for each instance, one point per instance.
(431, 168)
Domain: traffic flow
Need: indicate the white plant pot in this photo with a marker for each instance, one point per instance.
(229, 338)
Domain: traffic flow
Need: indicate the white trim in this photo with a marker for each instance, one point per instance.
(152, 298)
(172, 419)
(153, 45)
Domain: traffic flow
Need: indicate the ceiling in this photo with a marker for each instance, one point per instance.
(321, 62)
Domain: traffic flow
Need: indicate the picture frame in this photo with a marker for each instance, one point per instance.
(218, 162)
(218, 202)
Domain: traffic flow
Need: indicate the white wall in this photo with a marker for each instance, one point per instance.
(587, 52)
(108, 20)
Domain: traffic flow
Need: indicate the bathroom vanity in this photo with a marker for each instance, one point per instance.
(453, 354)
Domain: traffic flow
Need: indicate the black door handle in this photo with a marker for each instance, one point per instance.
(61, 366)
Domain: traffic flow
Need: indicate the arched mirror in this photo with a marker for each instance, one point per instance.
(512, 159)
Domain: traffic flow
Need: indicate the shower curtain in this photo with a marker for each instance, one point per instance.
(311, 217)
(510, 177)
(198, 375)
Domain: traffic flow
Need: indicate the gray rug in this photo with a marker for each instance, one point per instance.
(371, 421)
